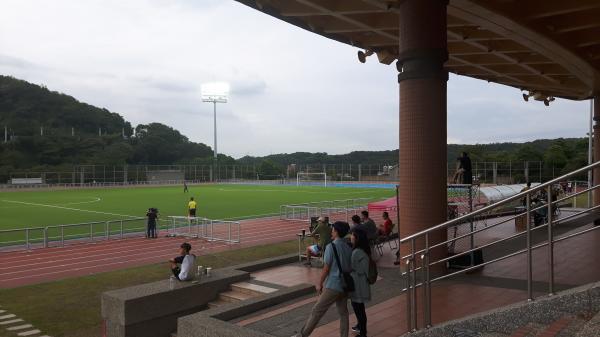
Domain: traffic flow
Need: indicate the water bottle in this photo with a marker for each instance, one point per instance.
(199, 272)
(208, 269)
(172, 282)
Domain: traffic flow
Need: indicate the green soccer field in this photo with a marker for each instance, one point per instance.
(44, 208)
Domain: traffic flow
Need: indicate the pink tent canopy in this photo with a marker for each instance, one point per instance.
(383, 205)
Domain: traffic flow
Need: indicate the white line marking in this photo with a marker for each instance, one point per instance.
(11, 321)
(294, 191)
(19, 327)
(29, 333)
(67, 208)
(95, 199)
(8, 316)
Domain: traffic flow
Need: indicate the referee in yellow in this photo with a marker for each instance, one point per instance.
(192, 208)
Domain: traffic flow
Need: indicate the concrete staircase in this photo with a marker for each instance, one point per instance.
(239, 292)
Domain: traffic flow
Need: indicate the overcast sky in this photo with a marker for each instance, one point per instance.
(292, 90)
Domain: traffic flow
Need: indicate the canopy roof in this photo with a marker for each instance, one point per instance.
(548, 47)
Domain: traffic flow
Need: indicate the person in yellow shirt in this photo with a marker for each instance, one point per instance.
(192, 207)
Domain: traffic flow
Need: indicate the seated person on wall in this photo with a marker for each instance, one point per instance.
(368, 225)
(322, 231)
(385, 229)
(182, 266)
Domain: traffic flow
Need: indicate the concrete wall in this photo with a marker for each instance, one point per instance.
(152, 309)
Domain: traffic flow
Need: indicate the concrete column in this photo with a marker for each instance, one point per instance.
(422, 78)
(596, 153)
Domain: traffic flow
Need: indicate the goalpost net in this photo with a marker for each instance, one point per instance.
(311, 179)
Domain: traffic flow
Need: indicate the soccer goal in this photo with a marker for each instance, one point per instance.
(311, 178)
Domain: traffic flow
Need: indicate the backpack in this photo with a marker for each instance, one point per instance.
(373, 273)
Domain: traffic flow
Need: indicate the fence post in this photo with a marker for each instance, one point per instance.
(550, 243)
(91, 232)
(529, 252)
(27, 238)
(121, 229)
(107, 232)
(46, 237)
(229, 232)
(62, 236)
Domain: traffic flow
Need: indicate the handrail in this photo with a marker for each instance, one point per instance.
(495, 205)
(549, 203)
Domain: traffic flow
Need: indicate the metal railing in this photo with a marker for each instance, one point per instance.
(307, 210)
(59, 235)
(204, 228)
(418, 263)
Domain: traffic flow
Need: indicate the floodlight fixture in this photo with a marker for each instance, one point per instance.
(215, 92)
(538, 96)
(362, 55)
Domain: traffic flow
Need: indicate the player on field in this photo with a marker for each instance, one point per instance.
(192, 208)
(185, 187)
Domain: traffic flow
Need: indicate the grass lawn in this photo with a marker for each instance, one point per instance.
(71, 307)
(43, 208)
(47, 207)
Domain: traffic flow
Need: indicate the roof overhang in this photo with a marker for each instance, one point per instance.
(548, 47)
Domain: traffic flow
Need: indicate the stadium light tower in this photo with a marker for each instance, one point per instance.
(215, 92)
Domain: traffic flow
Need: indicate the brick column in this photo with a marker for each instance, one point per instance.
(596, 153)
(422, 78)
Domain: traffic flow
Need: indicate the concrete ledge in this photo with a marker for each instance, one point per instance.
(197, 325)
(543, 310)
(266, 263)
(151, 309)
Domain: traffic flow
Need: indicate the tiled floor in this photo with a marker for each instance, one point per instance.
(450, 301)
(575, 263)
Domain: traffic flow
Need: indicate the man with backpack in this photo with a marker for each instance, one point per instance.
(335, 283)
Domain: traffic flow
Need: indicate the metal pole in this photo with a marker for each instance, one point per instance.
(121, 229)
(408, 297)
(91, 232)
(426, 284)
(46, 237)
(27, 238)
(239, 229)
(529, 263)
(107, 226)
(398, 215)
(414, 286)
(590, 160)
(62, 236)
(472, 238)
(215, 132)
(550, 244)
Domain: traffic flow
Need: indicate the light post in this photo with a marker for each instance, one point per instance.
(216, 92)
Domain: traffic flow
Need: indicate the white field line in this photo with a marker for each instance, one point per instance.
(106, 253)
(294, 191)
(128, 261)
(67, 208)
(95, 199)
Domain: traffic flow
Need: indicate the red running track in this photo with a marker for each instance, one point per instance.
(79, 259)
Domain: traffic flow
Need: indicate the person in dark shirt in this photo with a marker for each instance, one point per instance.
(152, 215)
(464, 174)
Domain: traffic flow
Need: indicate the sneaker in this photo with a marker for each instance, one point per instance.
(355, 328)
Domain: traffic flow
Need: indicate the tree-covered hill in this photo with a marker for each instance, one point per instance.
(47, 128)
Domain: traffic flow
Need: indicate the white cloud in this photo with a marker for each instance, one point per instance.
(291, 90)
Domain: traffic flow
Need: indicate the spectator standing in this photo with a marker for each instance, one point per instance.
(331, 284)
(152, 216)
(465, 163)
(361, 256)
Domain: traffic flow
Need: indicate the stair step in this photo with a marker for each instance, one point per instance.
(235, 296)
(253, 289)
(217, 302)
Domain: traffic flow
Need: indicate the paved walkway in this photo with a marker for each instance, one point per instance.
(496, 285)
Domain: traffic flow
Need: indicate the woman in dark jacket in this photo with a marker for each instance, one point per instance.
(361, 255)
